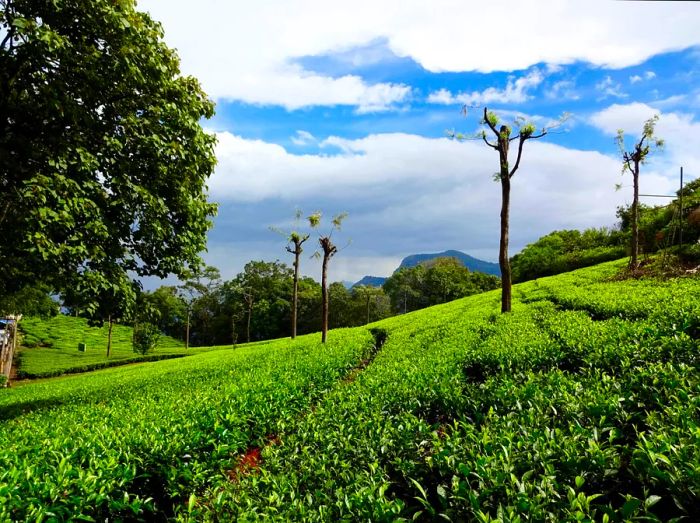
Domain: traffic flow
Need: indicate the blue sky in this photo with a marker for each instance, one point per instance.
(323, 107)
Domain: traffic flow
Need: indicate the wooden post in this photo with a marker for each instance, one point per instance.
(7, 350)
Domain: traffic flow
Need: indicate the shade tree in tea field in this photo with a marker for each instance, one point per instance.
(328, 250)
(631, 162)
(295, 241)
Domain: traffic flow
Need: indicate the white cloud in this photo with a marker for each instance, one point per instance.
(516, 91)
(680, 132)
(246, 50)
(648, 75)
(608, 87)
(563, 89)
(303, 138)
(406, 193)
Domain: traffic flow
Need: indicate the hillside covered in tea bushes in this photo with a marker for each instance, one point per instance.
(580, 405)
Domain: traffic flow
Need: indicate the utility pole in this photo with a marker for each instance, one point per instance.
(680, 213)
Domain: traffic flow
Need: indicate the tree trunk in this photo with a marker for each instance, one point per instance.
(250, 314)
(295, 294)
(634, 262)
(368, 297)
(187, 331)
(324, 299)
(503, 262)
(109, 335)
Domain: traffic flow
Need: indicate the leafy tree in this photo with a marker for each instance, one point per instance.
(264, 288)
(103, 300)
(561, 251)
(171, 310)
(103, 161)
(196, 292)
(145, 337)
(405, 289)
(631, 161)
(295, 240)
(34, 300)
(435, 281)
(368, 295)
(329, 250)
(504, 137)
(340, 301)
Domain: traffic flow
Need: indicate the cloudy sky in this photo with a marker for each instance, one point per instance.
(346, 106)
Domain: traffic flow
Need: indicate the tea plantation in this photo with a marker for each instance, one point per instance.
(581, 405)
(50, 347)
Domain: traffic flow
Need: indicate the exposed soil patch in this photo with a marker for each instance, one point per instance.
(251, 459)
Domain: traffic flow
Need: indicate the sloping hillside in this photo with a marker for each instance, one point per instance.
(580, 405)
(50, 347)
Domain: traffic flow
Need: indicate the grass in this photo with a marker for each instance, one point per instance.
(50, 347)
(581, 405)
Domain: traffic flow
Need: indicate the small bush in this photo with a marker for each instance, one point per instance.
(146, 336)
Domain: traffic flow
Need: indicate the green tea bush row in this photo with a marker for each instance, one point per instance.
(131, 443)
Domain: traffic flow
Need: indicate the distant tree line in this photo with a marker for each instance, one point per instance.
(256, 305)
(433, 282)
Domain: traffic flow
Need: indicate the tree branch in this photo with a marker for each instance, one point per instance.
(520, 154)
(483, 136)
(10, 34)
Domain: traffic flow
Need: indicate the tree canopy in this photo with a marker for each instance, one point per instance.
(103, 161)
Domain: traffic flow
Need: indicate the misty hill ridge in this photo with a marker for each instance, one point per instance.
(471, 263)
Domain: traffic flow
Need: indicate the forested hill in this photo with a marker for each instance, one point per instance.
(471, 263)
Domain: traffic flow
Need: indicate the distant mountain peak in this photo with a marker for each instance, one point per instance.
(471, 263)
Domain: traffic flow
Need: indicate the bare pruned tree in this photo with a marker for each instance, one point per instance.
(295, 240)
(329, 250)
(503, 137)
(631, 160)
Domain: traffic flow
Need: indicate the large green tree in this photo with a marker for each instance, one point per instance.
(103, 161)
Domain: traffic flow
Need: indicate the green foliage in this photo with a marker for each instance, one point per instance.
(32, 300)
(658, 225)
(437, 281)
(563, 251)
(145, 338)
(103, 158)
(49, 346)
(104, 455)
(492, 118)
(580, 405)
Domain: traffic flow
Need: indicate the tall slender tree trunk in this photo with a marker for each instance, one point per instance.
(368, 297)
(634, 262)
(324, 299)
(109, 335)
(250, 314)
(295, 294)
(503, 261)
(187, 330)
